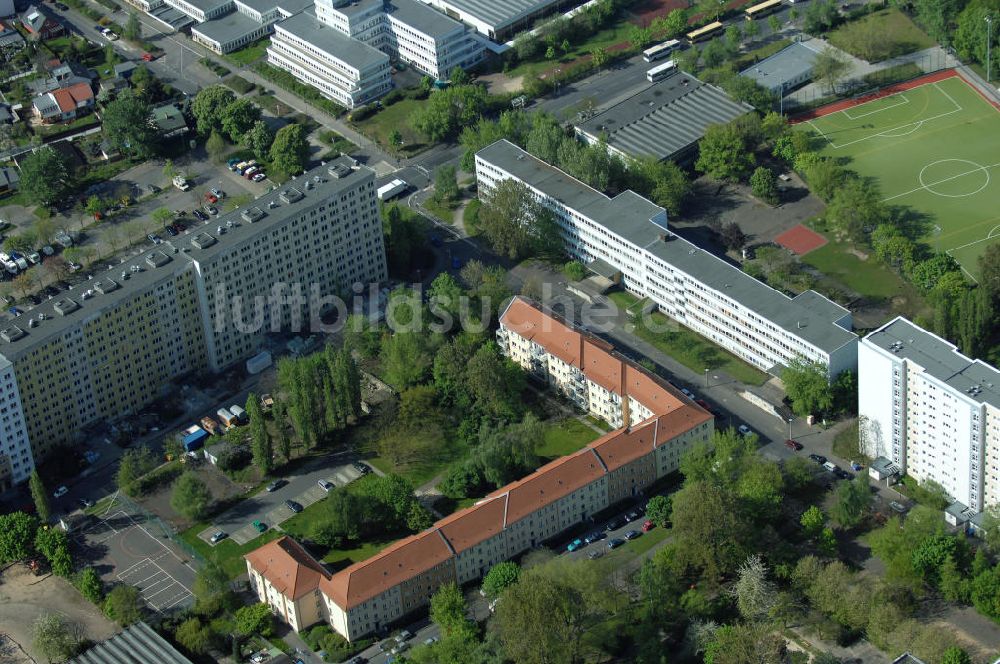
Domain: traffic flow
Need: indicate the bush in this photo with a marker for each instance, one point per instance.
(393, 97)
(363, 112)
(239, 84)
(574, 271)
(234, 458)
(287, 81)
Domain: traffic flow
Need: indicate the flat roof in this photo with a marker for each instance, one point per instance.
(421, 17)
(201, 242)
(976, 380)
(227, 28)
(627, 211)
(331, 41)
(498, 14)
(664, 118)
(809, 316)
(205, 5)
(288, 6)
(787, 64)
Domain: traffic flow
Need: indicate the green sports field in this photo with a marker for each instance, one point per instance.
(934, 148)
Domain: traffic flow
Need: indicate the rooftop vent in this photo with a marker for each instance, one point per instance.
(252, 214)
(105, 286)
(32, 323)
(66, 306)
(291, 195)
(12, 334)
(202, 241)
(157, 259)
(339, 171)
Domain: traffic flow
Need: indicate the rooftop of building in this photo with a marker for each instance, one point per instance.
(307, 27)
(809, 315)
(627, 210)
(939, 358)
(673, 415)
(138, 640)
(288, 567)
(206, 6)
(665, 118)
(226, 29)
(122, 280)
(422, 18)
(287, 6)
(787, 64)
(498, 14)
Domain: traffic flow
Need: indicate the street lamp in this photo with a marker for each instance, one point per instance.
(706, 378)
(789, 428)
(989, 38)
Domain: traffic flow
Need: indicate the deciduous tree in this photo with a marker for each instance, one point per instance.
(658, 510)
(39, 496)
(56, 637)
(122, 605)
(290, 150)
(254, 619)
(807, 385)
(763, 184)
(190, 496)
(17, 536)
(53, 544)
(238, 118)
(45, 176)
(723, 154)
(830, 67)
(209, 108)
(500, 577)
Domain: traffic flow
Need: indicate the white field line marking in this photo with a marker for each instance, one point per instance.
(887, 132)
(168, 576)
(150, 535)
(948, 179)
(905, 100)
(129, 570)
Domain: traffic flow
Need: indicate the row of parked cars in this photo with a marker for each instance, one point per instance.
(614, 524)
(249, 169)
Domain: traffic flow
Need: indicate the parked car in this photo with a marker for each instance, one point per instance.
(201, 216)
(614, 524)
(258, 177)
(745, 430)
(361, 467)
(593, 537)
(648, 525)
(74, 267)
(218, 193)
(615, 543)
(259, 526)
(326, 485)
(232, 163)
(275, 485)
(634, 515)
(48, 250)
(154, 238)
(294, 506)
(14, 311)
(430, 640)
(818, 459)
(211, 198)
(34, 257)
(218, 537)
(595, 554)
(60, 492)
(843, 474)
(404, 635)
(688, 393)
(574, 545)
(793, 445)
(171, 231)
(898, 507)
(84, 503)
(212, 210)
(632, 534)
(148, 57)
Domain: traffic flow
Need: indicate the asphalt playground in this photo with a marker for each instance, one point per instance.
(127, 548)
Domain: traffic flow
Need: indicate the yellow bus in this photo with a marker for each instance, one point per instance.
(705, 32)
(762, 9)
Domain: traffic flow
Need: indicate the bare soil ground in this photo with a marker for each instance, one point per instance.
(24, 597)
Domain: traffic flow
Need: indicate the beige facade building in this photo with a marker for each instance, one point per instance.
(370, 595)
(201, 301)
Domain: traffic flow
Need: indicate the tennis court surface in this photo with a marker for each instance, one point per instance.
(933, 145)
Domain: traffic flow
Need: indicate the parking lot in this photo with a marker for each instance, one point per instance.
(269, 507)
(125, 547)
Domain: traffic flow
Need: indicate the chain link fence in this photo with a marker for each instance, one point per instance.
(156, 526)
(860, 84)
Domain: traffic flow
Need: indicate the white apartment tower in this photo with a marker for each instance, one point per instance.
(933, 412)
(626, 239)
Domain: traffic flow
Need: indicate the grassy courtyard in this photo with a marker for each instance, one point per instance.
(931, 148)
(565, 437)
(227, 554)
(884, 34)
(379, 126)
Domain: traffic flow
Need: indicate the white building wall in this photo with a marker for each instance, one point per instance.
(881, 404)
(991, 447)
(13, 430)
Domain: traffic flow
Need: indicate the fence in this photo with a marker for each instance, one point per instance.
(895, 70)
(155, 525)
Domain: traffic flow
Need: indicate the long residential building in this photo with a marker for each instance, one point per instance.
(331, 47)
(656, 424)
(626, 239)
(199, 302)
(932, 412)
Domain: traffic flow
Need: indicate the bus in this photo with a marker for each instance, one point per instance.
(705, 32)
(660, 50)
(762, 9)
(660, 72)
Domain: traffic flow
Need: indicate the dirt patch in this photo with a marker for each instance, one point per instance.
(222, 488)
(500, 83)
(860, 254)
(24, 597)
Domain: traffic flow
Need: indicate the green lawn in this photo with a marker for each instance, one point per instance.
(931, 150)
(421, 472)
(444, 212)
(249, 54)
(227, 553)
(885, 34)
(470, 217)
(609, 36)
(624, 300)
(867, 277)
(565, 437)
(647, 541)
(380, 126)
(695, 351)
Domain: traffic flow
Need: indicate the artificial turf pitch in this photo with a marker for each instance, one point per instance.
(933, 147)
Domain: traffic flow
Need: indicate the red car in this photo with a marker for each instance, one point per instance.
(793, 445)
(648, 525)
(148, 57)
(210, 197)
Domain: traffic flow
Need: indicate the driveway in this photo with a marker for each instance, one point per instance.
(269, 507)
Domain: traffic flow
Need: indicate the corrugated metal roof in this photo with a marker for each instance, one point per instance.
(137, 644)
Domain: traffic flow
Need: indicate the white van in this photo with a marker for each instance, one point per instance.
(832, 467)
